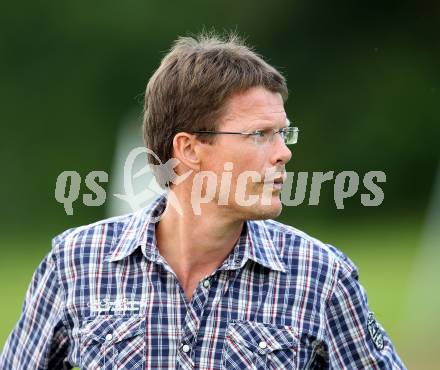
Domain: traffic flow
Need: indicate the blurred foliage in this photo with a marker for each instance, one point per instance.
(363, 79)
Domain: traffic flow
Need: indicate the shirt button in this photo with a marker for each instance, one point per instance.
(186, 348)
(108, 337)
(206, 283)
(262, 345)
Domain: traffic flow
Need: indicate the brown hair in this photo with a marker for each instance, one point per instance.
(189, 89)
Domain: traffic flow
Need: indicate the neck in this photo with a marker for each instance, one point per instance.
(195, 245)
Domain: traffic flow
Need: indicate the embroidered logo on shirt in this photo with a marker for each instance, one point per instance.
(119, 305)
(375, 332)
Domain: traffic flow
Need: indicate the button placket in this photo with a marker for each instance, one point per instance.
(191, 326)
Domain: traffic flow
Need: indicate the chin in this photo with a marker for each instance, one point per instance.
(264, 212)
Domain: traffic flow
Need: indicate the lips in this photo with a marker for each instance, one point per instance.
(276, 183)
(277, 180)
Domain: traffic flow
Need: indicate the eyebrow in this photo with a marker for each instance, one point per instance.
(266, 126)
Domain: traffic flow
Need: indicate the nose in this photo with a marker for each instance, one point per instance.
(282, 153)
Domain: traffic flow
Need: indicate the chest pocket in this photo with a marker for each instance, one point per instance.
(258, 346)
(109, 342)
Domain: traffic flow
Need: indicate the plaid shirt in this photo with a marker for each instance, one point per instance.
(104, 298)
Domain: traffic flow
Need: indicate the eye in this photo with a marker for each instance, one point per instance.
(260, 133)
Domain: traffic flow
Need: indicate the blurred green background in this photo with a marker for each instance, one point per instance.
(364, 90)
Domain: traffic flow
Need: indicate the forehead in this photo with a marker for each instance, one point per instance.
(255, 106)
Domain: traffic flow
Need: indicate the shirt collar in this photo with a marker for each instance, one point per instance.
(255, 242)
(140, 231)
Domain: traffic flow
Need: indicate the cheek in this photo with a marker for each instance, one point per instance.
(248, 160)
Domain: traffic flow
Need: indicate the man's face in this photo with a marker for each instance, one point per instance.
(254, 163)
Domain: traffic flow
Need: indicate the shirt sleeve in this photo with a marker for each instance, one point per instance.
(355, 339)
(39, 340)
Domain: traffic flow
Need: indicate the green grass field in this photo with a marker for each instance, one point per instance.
(383, 251)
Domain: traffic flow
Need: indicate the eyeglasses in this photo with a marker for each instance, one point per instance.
(288, 134)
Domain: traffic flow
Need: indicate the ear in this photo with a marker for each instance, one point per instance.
(186, 150)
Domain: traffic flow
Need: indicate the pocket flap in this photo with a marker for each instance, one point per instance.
(110, 329)
(261, 337)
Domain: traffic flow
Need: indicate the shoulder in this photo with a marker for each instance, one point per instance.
(109, 231)
(314, 270)
(296, 246)
(103, 233)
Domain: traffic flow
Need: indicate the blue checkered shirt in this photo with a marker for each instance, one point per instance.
(104, 298)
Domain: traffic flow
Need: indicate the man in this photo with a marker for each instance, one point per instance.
(207, 281)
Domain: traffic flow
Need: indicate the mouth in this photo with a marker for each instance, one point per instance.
(277, 186)
(276, 183)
